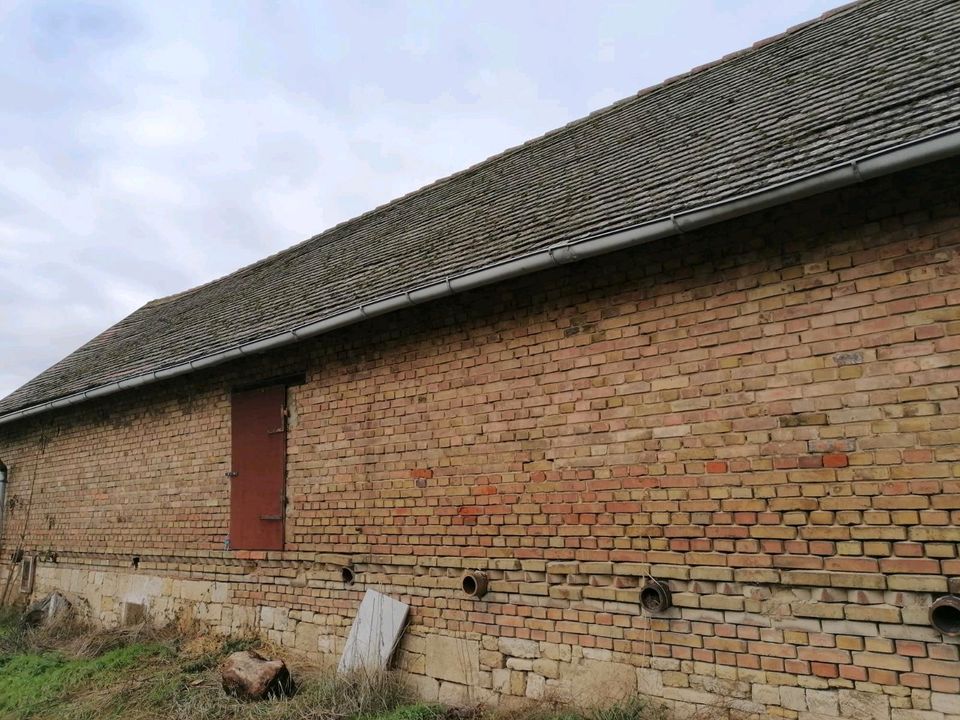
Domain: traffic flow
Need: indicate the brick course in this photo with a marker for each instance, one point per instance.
(764, 415)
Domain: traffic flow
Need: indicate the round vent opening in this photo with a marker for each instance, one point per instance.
(945, 615)
(655, 597)
(474, 583)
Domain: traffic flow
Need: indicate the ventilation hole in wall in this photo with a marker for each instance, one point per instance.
(474, 583)
(136, 561)
(347, 575)
(945, 615)
(28, 568)
(655, 597)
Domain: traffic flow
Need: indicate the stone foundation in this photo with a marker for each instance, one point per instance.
(876, 629)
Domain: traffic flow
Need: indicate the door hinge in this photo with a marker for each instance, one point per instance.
(271, 517)
(232, 473)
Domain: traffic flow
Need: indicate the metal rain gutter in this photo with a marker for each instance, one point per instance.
(862, 169)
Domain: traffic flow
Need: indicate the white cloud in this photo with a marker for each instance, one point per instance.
(148, 147)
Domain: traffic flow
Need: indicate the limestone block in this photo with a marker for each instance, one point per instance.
(766, 694)
(491, 660)
(649, 682)
(536, 686)
(518, 682)
(411, 663)
(793, 698)
(562, 653)
(413, 643)
(592, 682)
(520, 664)
(453, 694)
(518, 648)
(327, 644)
(307, 637)
(426, 688)
(859, 705)
(501, 681)
(945, 703)
(547, 668)
(281, 619)
(193, 590)
(266, 617)
(823, 702)
(456, 660)
(209, 612)
(598, 654)
(675, 678)
(219, 592)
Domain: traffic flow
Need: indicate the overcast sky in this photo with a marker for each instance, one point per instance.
(147, 147)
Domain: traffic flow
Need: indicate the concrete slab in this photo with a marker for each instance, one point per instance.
(375, 633)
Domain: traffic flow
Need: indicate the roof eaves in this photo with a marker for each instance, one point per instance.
(851, 172)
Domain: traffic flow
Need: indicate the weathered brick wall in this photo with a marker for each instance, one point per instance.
(764, 415)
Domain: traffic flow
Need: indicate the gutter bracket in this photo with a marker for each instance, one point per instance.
(855, 164)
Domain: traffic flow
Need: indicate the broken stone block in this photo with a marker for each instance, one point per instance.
(50, 608)
(250, 676)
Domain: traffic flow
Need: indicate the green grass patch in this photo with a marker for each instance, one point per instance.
(72, 672)
(31, 684)
(418, 711)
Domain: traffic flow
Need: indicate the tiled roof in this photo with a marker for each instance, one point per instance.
(858, 80)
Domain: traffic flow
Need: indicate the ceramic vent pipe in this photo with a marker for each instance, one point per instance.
(474, 584)
(945, 615)
(3, 497)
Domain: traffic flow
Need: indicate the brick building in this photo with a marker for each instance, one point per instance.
(708, 336)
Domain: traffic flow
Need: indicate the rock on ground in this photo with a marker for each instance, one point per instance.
(250, 676)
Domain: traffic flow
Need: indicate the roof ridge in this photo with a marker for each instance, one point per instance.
(508, 152)
(756, 45)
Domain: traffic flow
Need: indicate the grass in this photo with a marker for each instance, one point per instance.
(71, 672)
(31, 684)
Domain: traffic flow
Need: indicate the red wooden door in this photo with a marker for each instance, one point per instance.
(259, 433)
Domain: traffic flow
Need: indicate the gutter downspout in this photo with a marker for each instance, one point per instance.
(3, 499)
(868, 167)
